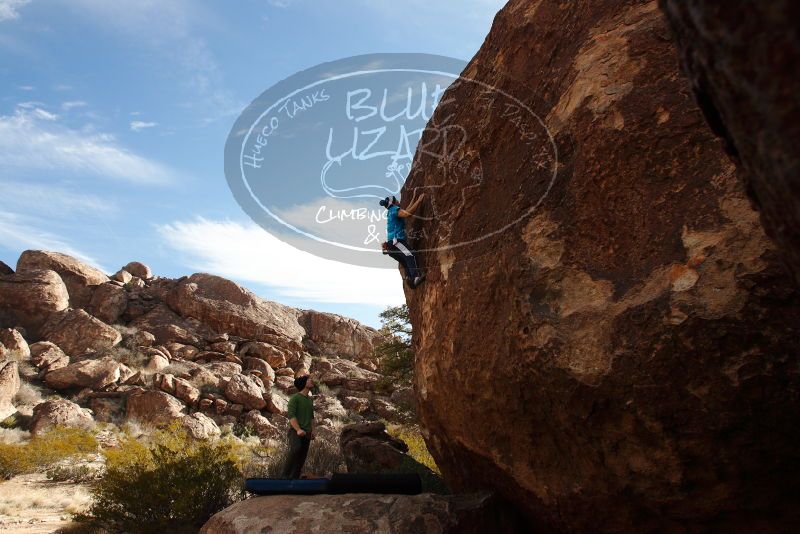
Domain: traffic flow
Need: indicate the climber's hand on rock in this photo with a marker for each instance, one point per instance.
(301, 432)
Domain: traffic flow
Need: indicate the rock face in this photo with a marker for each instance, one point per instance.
(93, 374)
(227, 307)
(153, 407)
(15, 344)
(139, 270)
(79, 278)
(337, 335)
(59, 412)
(27, 299)
(9, 385)
(243, 390)
(200, 426)
(108, 303)
(368, 448)
(638, 367)
(364, 514)
(742, 65)
(77, 332)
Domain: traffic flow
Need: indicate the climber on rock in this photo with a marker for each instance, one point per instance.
(396, 245)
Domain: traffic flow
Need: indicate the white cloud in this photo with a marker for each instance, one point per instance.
(66, 106)
(44, 115)
(9, 9)
(24, 232)
(35, 140)
(138, 126)
(55, 201)
(250, 254)
(30, 104)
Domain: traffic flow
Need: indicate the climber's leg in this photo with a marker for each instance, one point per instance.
(398, 249)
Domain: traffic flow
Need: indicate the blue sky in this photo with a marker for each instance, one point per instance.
(114, 116)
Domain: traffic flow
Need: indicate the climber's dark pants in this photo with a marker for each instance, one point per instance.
(296, 456)
(398, 249)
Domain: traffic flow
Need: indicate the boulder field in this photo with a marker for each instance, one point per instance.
(607, 336)
(138, 348)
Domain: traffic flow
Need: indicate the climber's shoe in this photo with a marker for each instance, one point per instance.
(418, 280)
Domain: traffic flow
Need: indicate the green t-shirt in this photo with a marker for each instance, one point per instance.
(301, 407)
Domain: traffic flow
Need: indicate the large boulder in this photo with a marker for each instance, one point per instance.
(368, 448)
(365, 514)
(139, 270)
(47, 356)
(80, 278)
(335, 335)
(167, 326)
(274, 356)
(262, 426)
(15, 344)
(225, 306)
(9, 385)
(27, 299)
(108, 302)
(5, 269)
(59, 412)
(153, 408)
(609, 339)
(200, 426)
(77, 332)
(92, 374)
(244, 390)
(748, 100)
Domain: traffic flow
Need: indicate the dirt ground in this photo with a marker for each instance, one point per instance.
(32, 504)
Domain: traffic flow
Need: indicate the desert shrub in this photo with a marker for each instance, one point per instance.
(131, 357)
(28, 394)
(324, 458)
(274, 464)
(177, 368)
(72, 473)
(40, 452)
(167, 483)
(12, 421)
(206, 388)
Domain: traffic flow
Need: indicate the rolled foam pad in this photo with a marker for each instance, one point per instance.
(404, 484)
(278, 486)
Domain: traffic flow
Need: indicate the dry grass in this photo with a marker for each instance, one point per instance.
(28, 395)
(32, 497)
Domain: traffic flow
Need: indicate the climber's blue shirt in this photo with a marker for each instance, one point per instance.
(395, 226)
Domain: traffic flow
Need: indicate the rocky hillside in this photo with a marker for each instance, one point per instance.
(137, 347)
(638, 368)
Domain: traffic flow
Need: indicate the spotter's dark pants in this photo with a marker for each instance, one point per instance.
(398, 249)
(296, 456)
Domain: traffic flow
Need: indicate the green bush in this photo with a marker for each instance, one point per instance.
(169, 483)
(45, 450)
(72, 473)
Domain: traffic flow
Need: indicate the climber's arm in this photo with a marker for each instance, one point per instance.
(409, 211)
